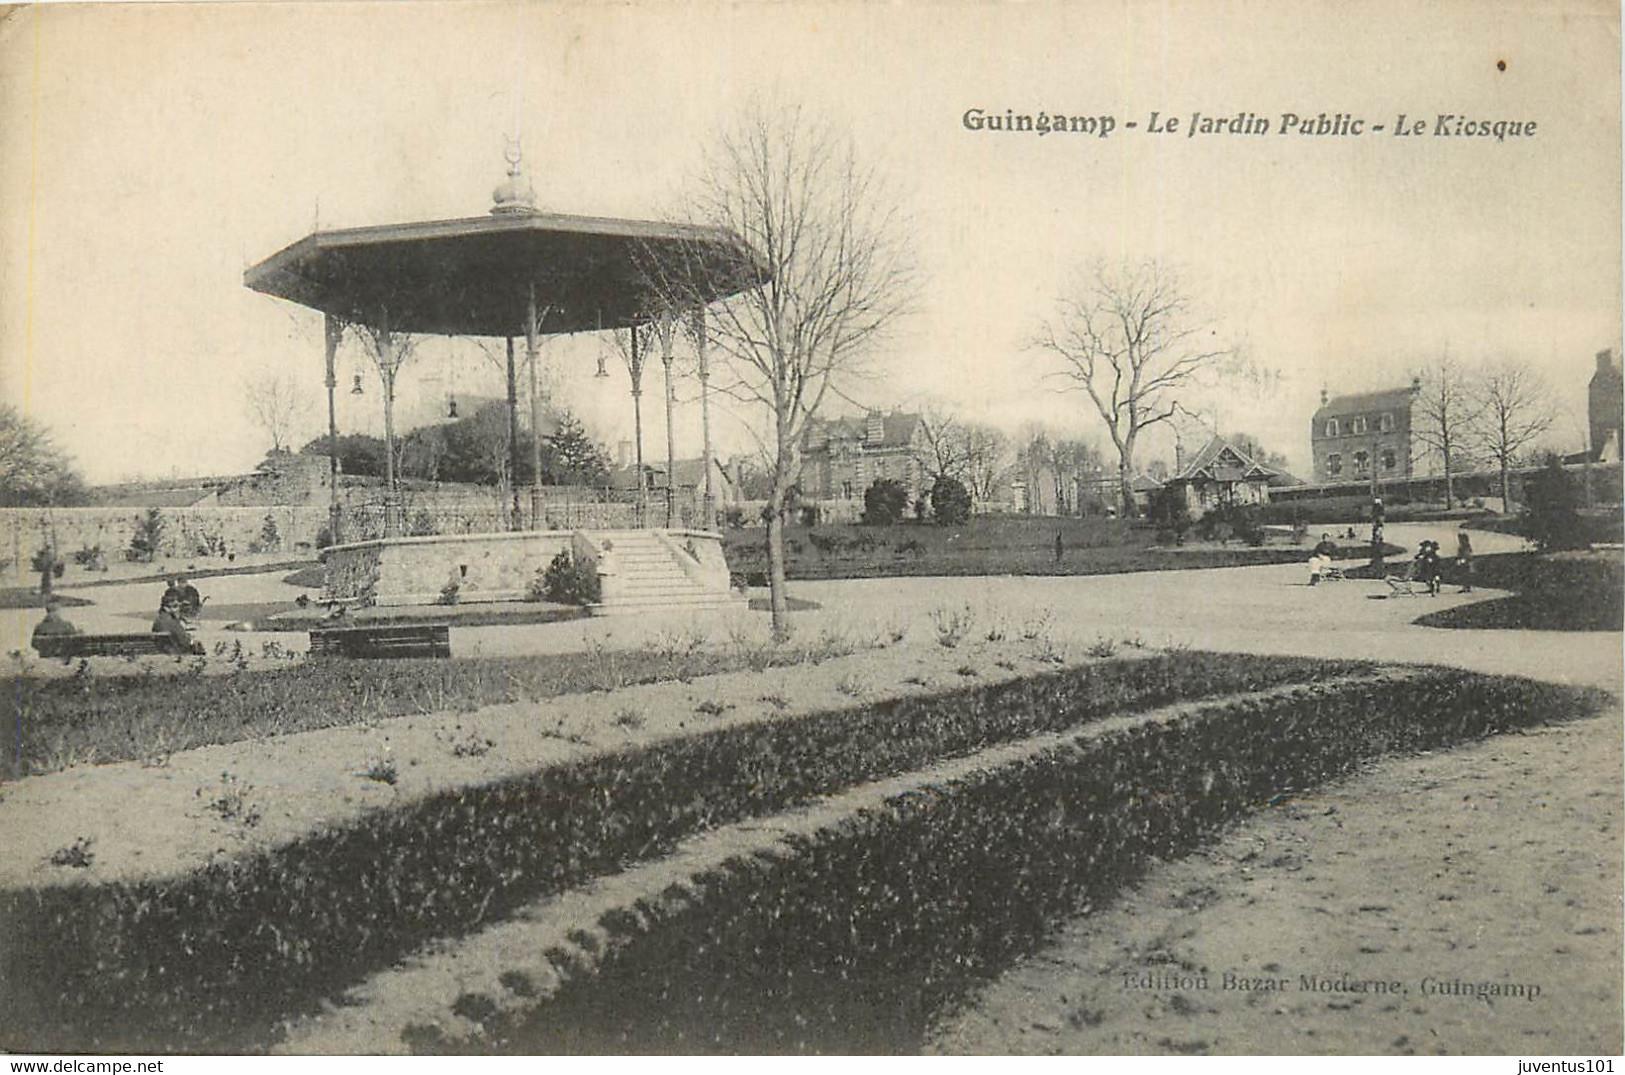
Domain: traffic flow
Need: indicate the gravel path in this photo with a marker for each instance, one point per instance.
(1441, 874)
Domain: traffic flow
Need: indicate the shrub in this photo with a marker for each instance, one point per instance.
(884, 502)
(91, 558)
(569, 581)
(950, 502)
(149, 532)
(324, 536)
(1244, 521)
(45, 564)
(1551, 517)
(270, 536)
(1170, 511)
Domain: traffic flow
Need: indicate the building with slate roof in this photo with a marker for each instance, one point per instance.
(1365, 437)
(842, 457)
(1222, 474)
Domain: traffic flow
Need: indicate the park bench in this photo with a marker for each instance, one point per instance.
(401, 640)
(132, 645)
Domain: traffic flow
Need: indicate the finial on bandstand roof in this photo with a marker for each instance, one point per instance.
(515, 194)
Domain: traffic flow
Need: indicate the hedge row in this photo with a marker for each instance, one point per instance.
(217, 958)
(856, 940)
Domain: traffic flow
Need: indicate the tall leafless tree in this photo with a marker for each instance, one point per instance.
(830, 276)
(1513, 411)
(1125, 337)
(1443, 416)
(388, 351)
(1034, 453)
(946, 441)
(277, 402)
(987, 453)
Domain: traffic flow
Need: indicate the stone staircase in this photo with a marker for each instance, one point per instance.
(651, 579)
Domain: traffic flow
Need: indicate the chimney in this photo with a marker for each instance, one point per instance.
(1416, 384)
(875, 431)
(623, 453)
(1325, 398)
(1605, 362)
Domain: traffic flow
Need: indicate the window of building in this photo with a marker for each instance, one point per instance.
(1331, 427)
(1359, 425)
(846, 490)
(1334, 464)
(1390, 460)
(1362, 463)
(1386, 423)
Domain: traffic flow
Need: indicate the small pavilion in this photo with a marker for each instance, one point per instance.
(516, 274)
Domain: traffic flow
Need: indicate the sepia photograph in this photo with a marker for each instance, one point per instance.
(704, 528)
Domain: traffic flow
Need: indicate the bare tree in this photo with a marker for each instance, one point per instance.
(1512, 412)
(277, 403)
(987, 451)
(388, 352)
(1443, 416)
(1253, 448)
(1033, 457)
(828, 278)
(1125, 339)
(947, 441)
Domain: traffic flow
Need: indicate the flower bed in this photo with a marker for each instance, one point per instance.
(855, 940)
(216, 958)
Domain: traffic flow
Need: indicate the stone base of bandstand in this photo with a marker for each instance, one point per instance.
(638, 569)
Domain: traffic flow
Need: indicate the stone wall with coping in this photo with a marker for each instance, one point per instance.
(422, 570)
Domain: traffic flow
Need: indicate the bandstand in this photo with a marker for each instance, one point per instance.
(519, 274)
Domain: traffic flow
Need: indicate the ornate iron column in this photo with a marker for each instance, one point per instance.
(516, 522)
(710, 510)
(386, 371)
(335, 513)
(666, 325)
(533, 328)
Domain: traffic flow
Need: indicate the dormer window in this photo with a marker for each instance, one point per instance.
(1359, 424)
(1331, 427)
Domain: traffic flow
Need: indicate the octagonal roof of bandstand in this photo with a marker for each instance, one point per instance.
(471, 276)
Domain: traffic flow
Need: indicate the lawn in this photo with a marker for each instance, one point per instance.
(27, 597)
(1565, 591)
(989, 545)
(92, 718)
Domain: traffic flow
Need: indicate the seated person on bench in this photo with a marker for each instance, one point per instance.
(1320, 560)
(170, 622)
(187, 598)
(53, 625)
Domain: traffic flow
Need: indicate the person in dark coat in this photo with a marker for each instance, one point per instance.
(187, 599)
(1464, 560)
(1427, 566)
(169, 621)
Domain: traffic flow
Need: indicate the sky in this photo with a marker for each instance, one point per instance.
(149, 154)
